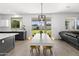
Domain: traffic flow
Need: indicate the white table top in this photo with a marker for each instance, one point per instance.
(46, 40)
(5, 35)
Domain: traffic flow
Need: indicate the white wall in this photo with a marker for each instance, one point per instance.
(58, 22)
(57, 25)
(4, 23)
(27, 23)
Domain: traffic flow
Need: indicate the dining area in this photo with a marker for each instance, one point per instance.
(40, 42)
(41, 45)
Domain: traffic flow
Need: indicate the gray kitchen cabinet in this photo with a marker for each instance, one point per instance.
(21, 35)
(7, 44)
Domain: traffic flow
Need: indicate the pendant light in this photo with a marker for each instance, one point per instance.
(41, 17)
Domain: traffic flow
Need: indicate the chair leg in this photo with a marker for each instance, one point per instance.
(38, 51)
(31, 51)
(51, 52)
(36, 48)
(47, 48)
(44, 51)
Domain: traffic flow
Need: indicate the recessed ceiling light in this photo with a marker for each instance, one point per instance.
(68, 6)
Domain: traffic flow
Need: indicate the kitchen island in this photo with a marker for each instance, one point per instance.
(7, 42)
(22, 34)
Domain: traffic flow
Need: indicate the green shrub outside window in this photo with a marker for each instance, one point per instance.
(15, 24)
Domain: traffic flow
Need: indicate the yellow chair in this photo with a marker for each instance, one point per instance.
(45, 48)
(37, 49)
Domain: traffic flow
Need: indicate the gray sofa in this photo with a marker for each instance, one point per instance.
(70, 37)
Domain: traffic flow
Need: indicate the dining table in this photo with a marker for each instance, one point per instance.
(42, 39)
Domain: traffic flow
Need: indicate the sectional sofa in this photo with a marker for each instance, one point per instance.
(70, 37)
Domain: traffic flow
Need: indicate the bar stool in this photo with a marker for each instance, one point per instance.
(45, 48)
(36, 48)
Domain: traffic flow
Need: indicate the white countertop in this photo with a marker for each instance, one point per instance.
(12, 30)
(5, 35)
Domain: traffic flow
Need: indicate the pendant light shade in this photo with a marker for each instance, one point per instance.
(41, 17)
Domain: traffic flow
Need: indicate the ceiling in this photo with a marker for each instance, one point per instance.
(34, 8)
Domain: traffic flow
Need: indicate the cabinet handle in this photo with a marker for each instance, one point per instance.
(3, 41)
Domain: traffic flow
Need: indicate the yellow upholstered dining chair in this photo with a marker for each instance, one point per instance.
(36, 48)
(45, 48)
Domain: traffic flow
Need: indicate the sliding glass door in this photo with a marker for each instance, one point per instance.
(46, 26)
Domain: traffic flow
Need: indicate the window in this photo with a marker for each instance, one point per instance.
(16, 22)
(77, 24)
(70, 23)
(36, 26)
